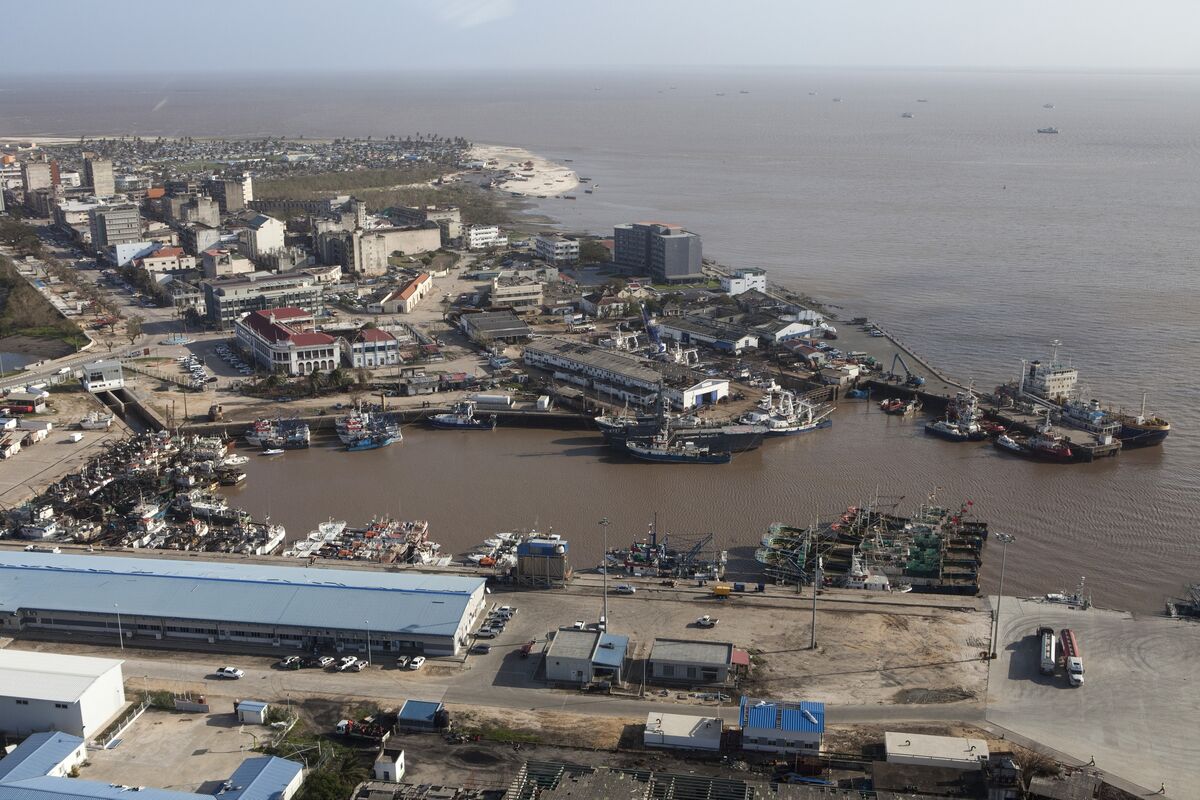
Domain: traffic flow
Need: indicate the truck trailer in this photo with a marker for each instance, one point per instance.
(1048, 649)
(1073, 656)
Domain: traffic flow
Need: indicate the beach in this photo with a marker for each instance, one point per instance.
(546, 178)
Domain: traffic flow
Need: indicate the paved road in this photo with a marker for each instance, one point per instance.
(1138, 710)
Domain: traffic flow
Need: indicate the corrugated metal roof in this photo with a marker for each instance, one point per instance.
(252, 705)
(37, 755)
(610, 650)
(47, 788)
(262, 778)
(419, 711)
(49, 676)
(409, 603)
(804, 717)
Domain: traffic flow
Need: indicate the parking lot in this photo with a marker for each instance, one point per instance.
(1136, 712)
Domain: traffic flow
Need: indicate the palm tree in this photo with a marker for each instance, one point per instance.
(314, 382)
(337, 378)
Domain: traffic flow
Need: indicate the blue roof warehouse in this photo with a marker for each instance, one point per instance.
(238, 606)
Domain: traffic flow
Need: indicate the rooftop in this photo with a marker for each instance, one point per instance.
(572, 643)
(920, 745)
(415, 603)
(679, 725)
(692, 652)
(37, 755)
(419, 711)
(801, 717)
(49, 676)
(262, 778)
(597, 357)
(272, 325)
(497, 322)
(412, 286)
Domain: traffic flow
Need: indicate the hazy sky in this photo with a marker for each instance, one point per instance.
(91, 36)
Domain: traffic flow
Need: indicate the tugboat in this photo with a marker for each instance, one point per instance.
(260, 431)
(899, 407)
(1048, 446)
(662, 449)
(959, 424)
(462, 417)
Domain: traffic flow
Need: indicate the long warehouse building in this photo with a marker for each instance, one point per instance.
(238, 606)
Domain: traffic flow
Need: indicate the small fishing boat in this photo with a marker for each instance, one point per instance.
(274, 451)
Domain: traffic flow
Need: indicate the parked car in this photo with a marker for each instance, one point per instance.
(707, 621)
(485, 633)
(481, 649)
(416, 662)
(233, 673)
(402, 662)
(508, 611)
(625, 588)
(291, 662)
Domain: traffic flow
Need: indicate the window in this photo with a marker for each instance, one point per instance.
(22, 702)
(60, 705)
(668, 670)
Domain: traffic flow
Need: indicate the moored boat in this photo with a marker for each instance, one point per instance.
(662, 449)
(462, 417)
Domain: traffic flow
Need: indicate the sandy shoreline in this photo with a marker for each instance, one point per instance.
(546, 178)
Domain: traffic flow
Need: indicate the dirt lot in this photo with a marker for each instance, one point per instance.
(202, 750)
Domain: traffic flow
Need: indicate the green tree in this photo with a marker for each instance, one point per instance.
(591, 251)
(337, 378)
(314, 382)
(133, 328)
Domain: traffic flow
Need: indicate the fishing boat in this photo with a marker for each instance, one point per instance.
(898, 406)
(907, 115)
(274, 451)
(462, 417)
(782, 413)
(1139, 430)
(234, 460)
(662, 449)
(1047, 130)
(372, 441)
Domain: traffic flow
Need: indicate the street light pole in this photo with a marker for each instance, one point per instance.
(1005, 539)
(368, 624)
(120, 634)
(812, 643)
(604, 561)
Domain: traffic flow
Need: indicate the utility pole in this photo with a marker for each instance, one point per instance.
(604, 560)
(120, 634)
(812, 644)
(1005, 539)
(368, 624)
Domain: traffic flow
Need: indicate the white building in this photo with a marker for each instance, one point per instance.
(103, 376)
(49, 692)
(743, 280)
(219, 262)
(919, 749)
(264, 235)
(281, 340)
(682, 732)
(372, 347)
(479, 237)
(389, 764)
(557, 249)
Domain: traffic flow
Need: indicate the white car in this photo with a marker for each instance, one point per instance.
(232, 673)
(625, 588)
(707, 622)
(416, 662)
(485, 633)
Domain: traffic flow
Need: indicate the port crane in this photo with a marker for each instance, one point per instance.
(911, 378)
(652, 331)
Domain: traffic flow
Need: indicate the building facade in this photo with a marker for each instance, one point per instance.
(264, 235)
(282, 340)
(557, 249)
(667, 253)
(49, 692)
(690, 662)
(519, 294)
(219, 262)
(372, 347)
(227, 300)
(744, 280)
(115, 224)
(581, 656)
(480, 237)
(98, 174)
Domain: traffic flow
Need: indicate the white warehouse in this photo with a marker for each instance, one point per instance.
(50, 692)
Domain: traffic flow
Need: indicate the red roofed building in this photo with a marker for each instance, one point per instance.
(284, 340)
(371, 347)
(165, 261)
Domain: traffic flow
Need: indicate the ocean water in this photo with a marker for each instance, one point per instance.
(975, 239)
